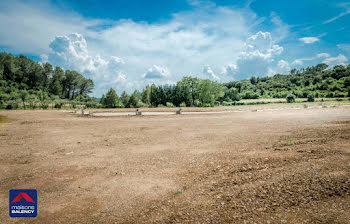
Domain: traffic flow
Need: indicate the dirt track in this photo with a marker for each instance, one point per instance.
(288, 166)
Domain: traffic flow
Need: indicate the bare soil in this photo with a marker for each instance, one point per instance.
(285, 166)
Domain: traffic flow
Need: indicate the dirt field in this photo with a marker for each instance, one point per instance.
(286, 166)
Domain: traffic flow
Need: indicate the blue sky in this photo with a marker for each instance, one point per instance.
(129, 44)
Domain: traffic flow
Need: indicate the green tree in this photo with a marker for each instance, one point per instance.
(134, 99)
(290, 98)
(111, 100)
(146, 95)
(310, 97)
(232, 94)
(124, 98)
(23, 95)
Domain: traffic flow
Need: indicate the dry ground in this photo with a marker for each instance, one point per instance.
(287, 166)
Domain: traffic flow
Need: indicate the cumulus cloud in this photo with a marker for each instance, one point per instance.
(257, 59)
(229, 70)
(309, 40)
(157, 72)
(116, 53)
(208, 72)
(283, 66)
(30, 27)
(339, 60)
(71, 52)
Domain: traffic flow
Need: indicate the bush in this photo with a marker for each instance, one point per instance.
(169, 104)
(58, 104)
(205, 105)
(183, 104)
(197, 103)
(310, 98)
(290, 98)
(140, 104)
(13, 104)
(227, 103)
(339, 94)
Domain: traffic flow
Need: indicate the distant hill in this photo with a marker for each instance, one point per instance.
(317, 80)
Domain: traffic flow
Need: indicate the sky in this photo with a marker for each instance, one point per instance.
(127, 45)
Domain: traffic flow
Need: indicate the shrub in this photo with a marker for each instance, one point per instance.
(58, 104)
(330, 95)
(239, 103)
(205, 105)
(290, 98)
(227, 103)
(13, 104)
(169, 104)
(183, 104)
(339, 94)
(310, 97)
(197, 103)
(140, 104)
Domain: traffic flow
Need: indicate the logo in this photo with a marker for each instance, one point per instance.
(23, 203)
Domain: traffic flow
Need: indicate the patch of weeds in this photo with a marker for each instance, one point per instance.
(290, 141)
(180, 191)
(4, 119)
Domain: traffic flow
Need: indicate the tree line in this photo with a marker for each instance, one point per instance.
(315, 81)
(31, 84)
(24, 80)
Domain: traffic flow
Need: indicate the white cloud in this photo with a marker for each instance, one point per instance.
(208, 34)
(323, 55)
(281, 30)
(283, 66)
(257, 59)
(229, 70)
(309, 40)
(344, 47)
(208, 72)
(156, 72)
(30, 27)
(297, 62)
(346, 6)
(71, 52)
(300, 61)
(339, 60)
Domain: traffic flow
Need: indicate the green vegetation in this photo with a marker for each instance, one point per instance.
(290, 98)
(180, 191)
(310, 97)
(312, 82)
(28, 84)
(5, 119)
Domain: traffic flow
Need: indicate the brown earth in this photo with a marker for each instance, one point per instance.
(286, 166)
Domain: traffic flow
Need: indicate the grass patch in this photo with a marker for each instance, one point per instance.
(5, 119)
(180, 191)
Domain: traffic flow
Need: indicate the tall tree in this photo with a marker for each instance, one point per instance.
(111, 100)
